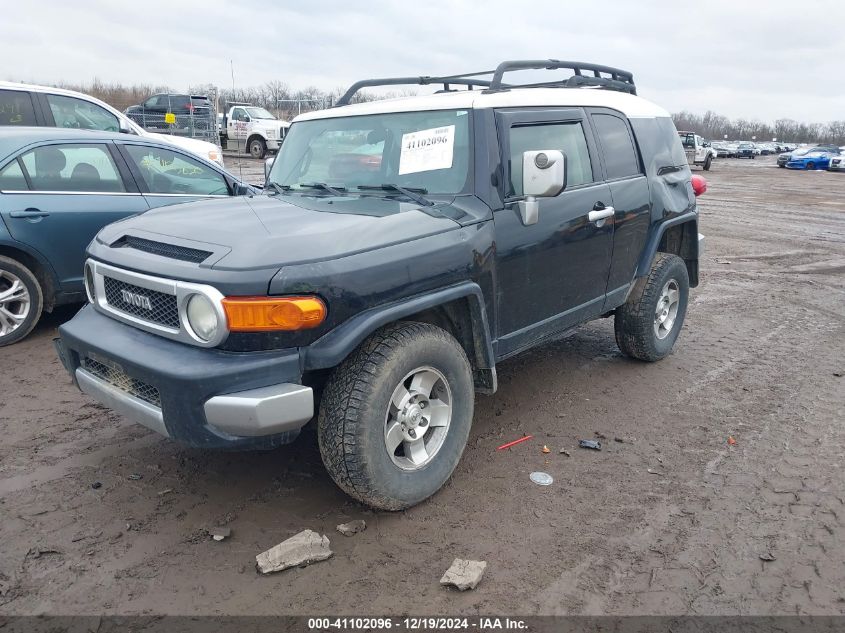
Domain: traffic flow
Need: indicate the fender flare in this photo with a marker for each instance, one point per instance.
(330, 349)
(650, 250)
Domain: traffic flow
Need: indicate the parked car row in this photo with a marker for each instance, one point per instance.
(812, 157)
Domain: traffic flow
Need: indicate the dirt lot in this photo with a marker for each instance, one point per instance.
(671, 519)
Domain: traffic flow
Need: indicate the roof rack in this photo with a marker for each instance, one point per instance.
(584, 74)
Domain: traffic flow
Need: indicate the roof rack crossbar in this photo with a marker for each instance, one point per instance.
(469, 80)
(584, 74)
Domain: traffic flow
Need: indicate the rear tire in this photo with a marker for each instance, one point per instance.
(257, 147)
(375, 439)
(21, 301)
(648, 323)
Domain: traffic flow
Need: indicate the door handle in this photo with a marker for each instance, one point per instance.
(29, 214)
(599, 215)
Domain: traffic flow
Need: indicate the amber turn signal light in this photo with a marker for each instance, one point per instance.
(262, 314)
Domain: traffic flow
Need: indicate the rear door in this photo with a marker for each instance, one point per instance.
(624, 173)
(553, 274)
(56, 197)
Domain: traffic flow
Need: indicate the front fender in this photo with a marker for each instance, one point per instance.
(330, 350)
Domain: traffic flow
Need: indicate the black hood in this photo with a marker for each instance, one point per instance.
(265, 231)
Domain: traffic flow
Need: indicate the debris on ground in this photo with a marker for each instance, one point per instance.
(515, 442)
(653, 472)
(619, 439)
(546, 449)
(135, 476)
(464, 574)
(298, 551)
(541, 479)
(352, 527)
(96, 485)
(219, 533)
(563, 451)
(166, 491)
(838, 374)
(600, 435)
(37, 552)
(767, 557)
(731, 440)
(593, 444)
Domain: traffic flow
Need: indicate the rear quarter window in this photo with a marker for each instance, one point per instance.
(620, 155)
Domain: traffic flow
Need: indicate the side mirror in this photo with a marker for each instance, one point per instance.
(268, 165)
(124, 127)
(241, 189)
(543, 176)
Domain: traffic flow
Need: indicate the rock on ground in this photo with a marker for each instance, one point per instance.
(299, 550)
(352, 528)
(464, 574)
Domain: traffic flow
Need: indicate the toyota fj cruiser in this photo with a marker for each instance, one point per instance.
(400, 250)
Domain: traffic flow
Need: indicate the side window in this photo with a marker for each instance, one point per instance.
(76, 113)
(239, 114)
(12, 178)
(567, 137)
(166, 171)
(152, 102)
(619, 153)
(78, 167)
(16, 108)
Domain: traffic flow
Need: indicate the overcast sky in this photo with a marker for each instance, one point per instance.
(763, 59)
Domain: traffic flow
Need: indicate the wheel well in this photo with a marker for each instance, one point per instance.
(43, 276)
(253, 137)
(456, 318)
(682, 240)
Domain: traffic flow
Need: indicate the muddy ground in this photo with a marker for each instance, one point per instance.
(671, 519)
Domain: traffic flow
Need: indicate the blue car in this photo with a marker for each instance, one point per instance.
(59, 187)
(810, 160)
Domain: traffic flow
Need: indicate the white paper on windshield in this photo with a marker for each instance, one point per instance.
(427, 150)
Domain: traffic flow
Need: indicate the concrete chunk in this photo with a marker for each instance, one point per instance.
(352, 528)
(298, 551)
(464, 574)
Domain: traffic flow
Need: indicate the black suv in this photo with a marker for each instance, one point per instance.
(400, 250)
(188, 111)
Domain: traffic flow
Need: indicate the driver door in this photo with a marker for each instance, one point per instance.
(553, 274)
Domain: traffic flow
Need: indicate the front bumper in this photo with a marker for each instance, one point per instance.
(199, 397)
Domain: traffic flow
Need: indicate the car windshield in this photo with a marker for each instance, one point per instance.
(259, 113)
(425, 151)
(800, 152)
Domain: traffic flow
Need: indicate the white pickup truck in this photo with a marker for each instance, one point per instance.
(697, 150)
(253, 128)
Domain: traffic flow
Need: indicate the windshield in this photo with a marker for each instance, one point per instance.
(427, 151)
(259, 113)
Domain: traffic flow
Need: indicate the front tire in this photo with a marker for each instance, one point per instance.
(21, 301)
(648, 323)
(811, 165)
(395, 416)
(707, 163)
(257, 147)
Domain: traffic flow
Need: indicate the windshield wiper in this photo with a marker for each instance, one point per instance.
(277, 187)
(409, 192)
(335, 191)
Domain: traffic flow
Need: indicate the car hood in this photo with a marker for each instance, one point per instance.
(203, 149)
(264, 231)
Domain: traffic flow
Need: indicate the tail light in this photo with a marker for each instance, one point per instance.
(699, 184)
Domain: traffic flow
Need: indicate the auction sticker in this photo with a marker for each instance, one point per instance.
(427, 150)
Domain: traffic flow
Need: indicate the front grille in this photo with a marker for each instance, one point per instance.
(172, 251)
(163, 307)
(117, 378)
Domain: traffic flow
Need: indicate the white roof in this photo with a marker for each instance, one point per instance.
(630, 105)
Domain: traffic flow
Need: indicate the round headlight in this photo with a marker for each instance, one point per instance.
(89, 282)
(202, 317)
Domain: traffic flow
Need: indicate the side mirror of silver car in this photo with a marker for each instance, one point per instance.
(543, 176)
